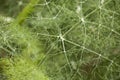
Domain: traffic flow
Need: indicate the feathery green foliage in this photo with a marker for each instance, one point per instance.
(23, 65)
(62, 40)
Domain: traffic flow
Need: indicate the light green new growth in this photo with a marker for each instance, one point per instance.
(26, 11)
(24, 66)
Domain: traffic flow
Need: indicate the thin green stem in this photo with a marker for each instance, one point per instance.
(26, 11)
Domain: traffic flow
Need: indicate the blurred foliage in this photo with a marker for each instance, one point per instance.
(12, 7)
(60, 40)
